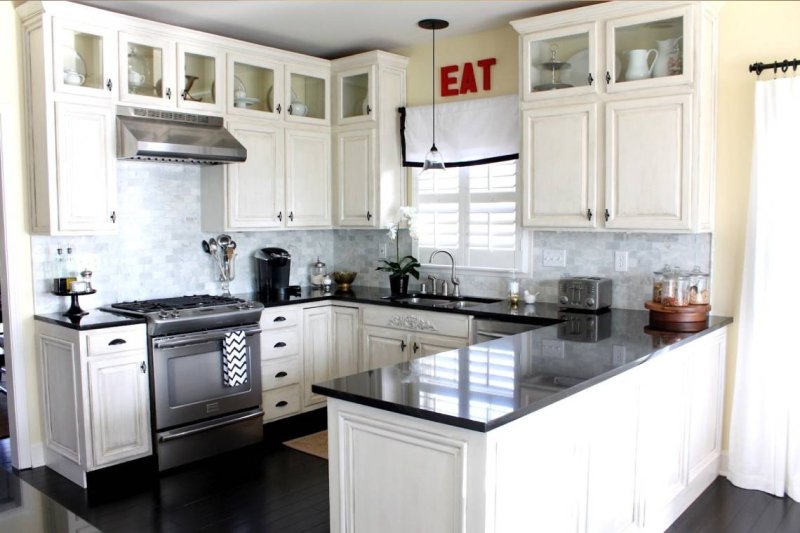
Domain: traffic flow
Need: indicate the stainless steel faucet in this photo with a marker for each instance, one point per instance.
(453, 279)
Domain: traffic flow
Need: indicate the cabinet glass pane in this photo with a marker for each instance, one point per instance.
(650, 50)
(83, 59)
(199, 82)
(355, 95)
(308, 96)
(253, 87)
(560, 62)
(145, 68)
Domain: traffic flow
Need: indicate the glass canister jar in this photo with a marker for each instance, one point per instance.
(675, 289)
(318, 273)
(658, 282)
(699, 293)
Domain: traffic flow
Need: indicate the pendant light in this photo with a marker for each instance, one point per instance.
(433, 159)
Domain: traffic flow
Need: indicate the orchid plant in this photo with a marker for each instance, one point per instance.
(407, 216)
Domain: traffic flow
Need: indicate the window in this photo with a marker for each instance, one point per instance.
(470, 212)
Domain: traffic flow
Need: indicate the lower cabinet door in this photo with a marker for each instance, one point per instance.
(345, 340)
(384, 347)
(317, 352)
(119, 407)
(426, 344)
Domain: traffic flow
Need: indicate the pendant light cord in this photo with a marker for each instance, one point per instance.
(433, 86)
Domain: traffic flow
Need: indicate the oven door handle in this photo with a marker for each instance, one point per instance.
(222, 423)
(202, 337)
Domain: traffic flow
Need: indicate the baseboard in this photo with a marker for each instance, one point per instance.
(37, 455)
(723, 464)
(661, 519)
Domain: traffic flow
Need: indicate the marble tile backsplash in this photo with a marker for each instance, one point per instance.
(157, 251)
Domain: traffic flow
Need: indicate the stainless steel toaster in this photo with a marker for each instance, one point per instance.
(587, 293)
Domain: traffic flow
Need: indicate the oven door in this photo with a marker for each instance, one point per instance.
(187, 377)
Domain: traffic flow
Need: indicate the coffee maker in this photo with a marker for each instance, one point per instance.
(272, 267)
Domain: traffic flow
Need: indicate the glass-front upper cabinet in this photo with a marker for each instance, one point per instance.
(147, 70)
(561, 62)
(650, 50)
(255, 87)
(355, 95)
(307, 95)
(200, 70)
(84, 60)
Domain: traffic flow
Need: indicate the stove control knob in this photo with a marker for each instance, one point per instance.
(589, 302)
(176, 314)
(163, 314)
(564, 300)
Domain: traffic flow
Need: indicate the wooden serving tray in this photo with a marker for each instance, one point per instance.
(668, 314)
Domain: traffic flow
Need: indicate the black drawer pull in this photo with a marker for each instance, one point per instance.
(279, 344)
(116, 342)
(279, 319)
(282, 403)
(281, 374)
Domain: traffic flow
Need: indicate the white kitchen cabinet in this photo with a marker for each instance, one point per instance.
(424, 344)
(559, 146)
(70, 139)
(119, 406)
(255, 188)
(281, 361)
(95, 393)
(86, 179)
(255, 87)
(331, 346)
(652, 137)
(84, 59)
(308, 178)
(158, 70)
(648, 167)
(384, 347)
(369, 177)
(307, 95)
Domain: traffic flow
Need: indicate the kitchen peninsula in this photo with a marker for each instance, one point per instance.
(620, 433)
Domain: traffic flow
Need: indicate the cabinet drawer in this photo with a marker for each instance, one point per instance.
(421, 321)
(280, 318)
(115, 340)
(281, 402)
(280, 372)
(280, 343)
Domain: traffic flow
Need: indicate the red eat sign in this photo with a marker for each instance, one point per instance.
(469, 84)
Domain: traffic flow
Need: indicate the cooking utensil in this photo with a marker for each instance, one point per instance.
(212, 246)
(206, 247)
(224, 240)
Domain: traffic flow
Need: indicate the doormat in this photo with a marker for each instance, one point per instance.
(315, 444)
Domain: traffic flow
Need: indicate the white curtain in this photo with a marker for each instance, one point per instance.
(765, 425)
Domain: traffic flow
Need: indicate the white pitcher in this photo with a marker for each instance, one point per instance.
(638, 68)
(667, 51)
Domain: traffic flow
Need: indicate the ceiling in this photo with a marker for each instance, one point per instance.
(330, 28)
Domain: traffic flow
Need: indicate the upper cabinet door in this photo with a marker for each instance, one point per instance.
(355, 96)
(648, 163)
(308, 178)
(560, 63)
(255, 87)
(147, 70)
(355, 178)
(201, 71)
(559, 171)
(84, 59)
(307, 95)
(651, 50)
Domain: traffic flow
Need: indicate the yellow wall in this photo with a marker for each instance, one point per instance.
(15, 190)
(750, 31)
(500, 43)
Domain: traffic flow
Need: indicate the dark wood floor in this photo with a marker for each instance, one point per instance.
(271, 488)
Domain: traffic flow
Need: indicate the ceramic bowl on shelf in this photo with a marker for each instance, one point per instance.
(344, 278)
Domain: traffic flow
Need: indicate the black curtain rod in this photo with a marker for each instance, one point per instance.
(784, 65)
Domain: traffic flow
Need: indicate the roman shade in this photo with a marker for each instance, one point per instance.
(469, 132)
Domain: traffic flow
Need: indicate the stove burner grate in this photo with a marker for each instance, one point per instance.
(177, 303)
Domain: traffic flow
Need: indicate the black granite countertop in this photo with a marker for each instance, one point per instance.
(96, 319)
(486, 385)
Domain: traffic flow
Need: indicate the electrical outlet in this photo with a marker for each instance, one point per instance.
(618, 355)
(621, 261)
(382, 251)
(554, 258)
(553, 348)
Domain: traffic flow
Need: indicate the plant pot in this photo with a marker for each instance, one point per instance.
(398, 284)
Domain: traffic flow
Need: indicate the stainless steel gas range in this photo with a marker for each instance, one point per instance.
(195, 411)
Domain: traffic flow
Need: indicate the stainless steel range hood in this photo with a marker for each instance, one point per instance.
(153, 135)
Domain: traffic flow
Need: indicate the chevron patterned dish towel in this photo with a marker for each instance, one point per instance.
(234, 359)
